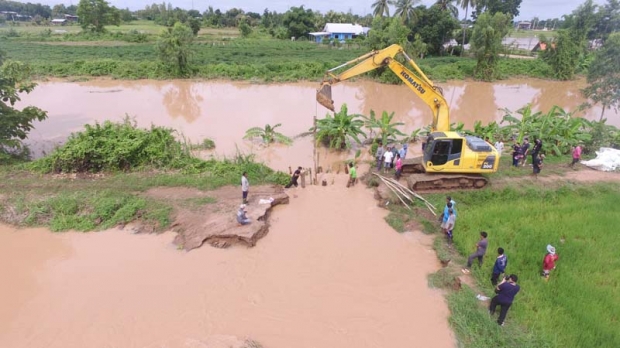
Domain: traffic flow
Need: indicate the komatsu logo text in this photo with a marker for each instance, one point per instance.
(412, 82)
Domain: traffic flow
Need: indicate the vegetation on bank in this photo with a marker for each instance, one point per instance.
(241, 59)
(558, 129)
(578, 306)
(122, 162)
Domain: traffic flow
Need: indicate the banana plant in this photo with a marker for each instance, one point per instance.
(268, 135)
(387, 129)
(341, 130)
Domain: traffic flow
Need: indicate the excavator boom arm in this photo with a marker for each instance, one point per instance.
(417, 82)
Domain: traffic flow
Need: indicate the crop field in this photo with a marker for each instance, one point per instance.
(580, 304)
(144, 26)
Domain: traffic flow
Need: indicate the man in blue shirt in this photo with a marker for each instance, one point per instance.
(500, 266)
(450, 204)
(506, 292)
(403, 151)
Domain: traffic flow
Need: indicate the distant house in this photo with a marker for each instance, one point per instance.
(339, 31)
(524, 25)
(71, 18)
(59, 21)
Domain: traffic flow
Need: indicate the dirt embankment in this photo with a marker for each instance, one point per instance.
(210, 217)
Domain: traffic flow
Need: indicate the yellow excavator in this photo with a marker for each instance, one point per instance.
(450, 160)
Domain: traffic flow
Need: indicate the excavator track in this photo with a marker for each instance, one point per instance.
(419, 180)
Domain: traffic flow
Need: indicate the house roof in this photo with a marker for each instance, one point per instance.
(344, 28)
(58, 20)
(319, 33)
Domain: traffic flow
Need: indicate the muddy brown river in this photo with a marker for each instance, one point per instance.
(330, 273)
(326, 275)
(223, 111)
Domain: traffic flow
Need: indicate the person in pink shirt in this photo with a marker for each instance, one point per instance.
(576, 155)
(399, 166)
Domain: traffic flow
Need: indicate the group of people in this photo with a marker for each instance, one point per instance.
(391, 158)
(520, 152)
(507, 288)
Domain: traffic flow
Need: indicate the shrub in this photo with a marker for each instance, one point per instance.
(115, 146)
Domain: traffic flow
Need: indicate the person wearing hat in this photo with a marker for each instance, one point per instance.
(241, 215)
(549, 261)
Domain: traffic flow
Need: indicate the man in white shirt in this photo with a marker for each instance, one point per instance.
(387, 159)
(245, 187)
(499, 146)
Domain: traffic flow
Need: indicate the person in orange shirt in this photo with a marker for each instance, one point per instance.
(549, 261)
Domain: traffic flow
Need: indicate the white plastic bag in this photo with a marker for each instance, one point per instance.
(607, 160)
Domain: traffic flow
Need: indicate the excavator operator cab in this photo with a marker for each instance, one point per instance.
(440, 150)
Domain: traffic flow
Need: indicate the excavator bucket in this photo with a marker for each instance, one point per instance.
(324, 95)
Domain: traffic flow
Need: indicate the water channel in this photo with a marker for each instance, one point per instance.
(223, 111)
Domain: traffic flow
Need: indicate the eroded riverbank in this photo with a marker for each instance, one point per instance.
(330, 273)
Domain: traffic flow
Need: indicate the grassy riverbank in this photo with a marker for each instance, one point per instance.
(578, 307)
(98, 178)
(129, 54)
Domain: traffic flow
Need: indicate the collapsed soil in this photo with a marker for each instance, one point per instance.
(210, 217)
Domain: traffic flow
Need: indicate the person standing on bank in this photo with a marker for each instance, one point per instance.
(506, 292)
(549, 261)
(449, 225)
(403, 151)
(536, 149)
(576, 155)
(500, 266)
(245, 187)
(481, 249)
(499, 146)
(294, 178)
(387, 156)
(525, 149)
(394, 153)
(352, 175)
(379, 156)
(399, 167)
(537, 164)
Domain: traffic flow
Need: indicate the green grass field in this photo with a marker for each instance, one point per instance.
(128, 52)
(147, 27)
(580, 305)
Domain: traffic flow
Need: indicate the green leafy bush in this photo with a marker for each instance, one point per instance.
(115, 146)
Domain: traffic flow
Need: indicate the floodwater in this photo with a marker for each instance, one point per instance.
(326, 275)
(223, 111)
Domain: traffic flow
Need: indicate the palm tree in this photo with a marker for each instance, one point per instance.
(386, 129)
(465, 4)
(405, 9)
(448, 5)
(338, 131)
(382, 7)
(268, 134)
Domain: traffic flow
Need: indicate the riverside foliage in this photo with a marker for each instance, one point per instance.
(247, 59)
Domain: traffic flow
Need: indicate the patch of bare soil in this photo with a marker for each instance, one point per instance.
(210, 217)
